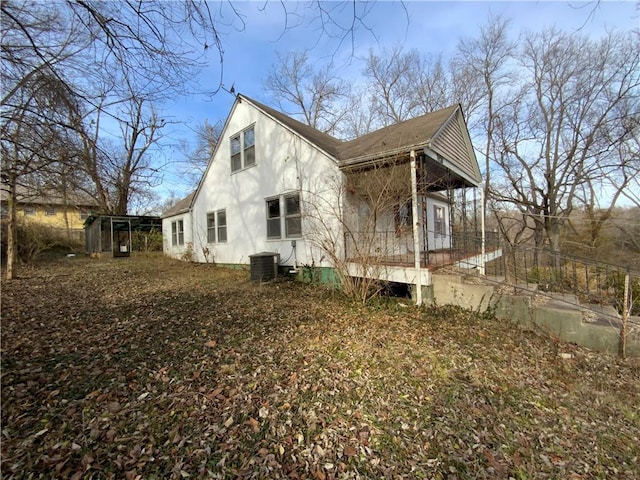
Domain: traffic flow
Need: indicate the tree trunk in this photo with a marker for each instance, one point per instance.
(12, 239)
(538, 237)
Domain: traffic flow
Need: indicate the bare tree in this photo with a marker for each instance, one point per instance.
(38, 128)
(394, 85)
(482, 72)
(577, 95)
(361, 114)
(314, 94)
(349, 216)
(123, 168)
(35, 142)
(197, 157)
(403, 85)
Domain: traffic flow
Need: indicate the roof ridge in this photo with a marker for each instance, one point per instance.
(321, 139)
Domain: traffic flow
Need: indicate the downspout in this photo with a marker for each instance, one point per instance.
(416, 231)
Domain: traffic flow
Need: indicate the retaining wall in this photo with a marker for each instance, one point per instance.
(583, 325)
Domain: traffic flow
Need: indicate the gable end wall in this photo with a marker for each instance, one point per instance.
(285, 163)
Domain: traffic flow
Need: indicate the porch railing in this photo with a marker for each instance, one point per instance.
(580, 280)
(396, 247)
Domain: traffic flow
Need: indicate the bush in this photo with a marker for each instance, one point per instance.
(34, 240)
(146, 241)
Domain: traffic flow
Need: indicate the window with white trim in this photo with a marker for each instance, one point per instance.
(211, 227)
(243, 150)
(273, 218)
(439, 223)
(29, 210)
(284, 215)
(177, 233)
(217, 226)
(50, 211)
(292, 218)
(84, 213)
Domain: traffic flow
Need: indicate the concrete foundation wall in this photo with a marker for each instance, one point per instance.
(565, 320)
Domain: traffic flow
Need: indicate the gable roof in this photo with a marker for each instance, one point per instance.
(320, 139)
(442, 133)
(26, 196)
(182, 206)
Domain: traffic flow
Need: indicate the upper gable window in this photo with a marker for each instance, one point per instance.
(243, 149)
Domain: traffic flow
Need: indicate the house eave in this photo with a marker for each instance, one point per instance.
(424, 147)
(379, 157)
(439, 158)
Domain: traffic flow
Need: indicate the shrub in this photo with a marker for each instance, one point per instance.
(34, 240)
(146, 241)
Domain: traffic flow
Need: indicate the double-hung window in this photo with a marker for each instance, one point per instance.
(439, 223)
(273, 218)
(211, 228)
(177, 233)
(292, 218)
(243, 149)
(283, 214)
(217, 227)
(50, 211)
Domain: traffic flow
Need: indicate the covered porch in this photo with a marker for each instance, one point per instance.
(404, 216)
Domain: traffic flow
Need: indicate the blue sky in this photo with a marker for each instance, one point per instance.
(431, 27)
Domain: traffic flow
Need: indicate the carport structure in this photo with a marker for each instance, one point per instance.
(112, 234)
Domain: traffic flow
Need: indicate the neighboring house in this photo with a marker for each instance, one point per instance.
(276, 185)
(65, 213)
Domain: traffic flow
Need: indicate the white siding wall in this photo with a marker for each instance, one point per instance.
(169, 249)
(284, 164)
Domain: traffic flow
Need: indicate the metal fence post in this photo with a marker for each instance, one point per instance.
(622, 344)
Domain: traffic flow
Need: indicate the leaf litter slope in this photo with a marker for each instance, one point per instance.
(151, 368)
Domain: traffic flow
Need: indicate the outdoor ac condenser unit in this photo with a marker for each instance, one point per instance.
(264, 266)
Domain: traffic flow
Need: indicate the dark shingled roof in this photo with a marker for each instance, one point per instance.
(49, 197)
(182, 206)
(415, 131)
(439, 131)
(322, 140)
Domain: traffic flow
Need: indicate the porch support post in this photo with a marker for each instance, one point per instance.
(483, 240)
(416, 227)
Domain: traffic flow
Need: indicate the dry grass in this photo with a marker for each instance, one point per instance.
(149, 368)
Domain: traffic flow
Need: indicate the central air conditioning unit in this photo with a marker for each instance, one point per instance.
(264, 266)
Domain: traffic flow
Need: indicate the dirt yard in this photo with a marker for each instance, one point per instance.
(146, 368)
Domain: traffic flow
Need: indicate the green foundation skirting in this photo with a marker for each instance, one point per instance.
(321, 275)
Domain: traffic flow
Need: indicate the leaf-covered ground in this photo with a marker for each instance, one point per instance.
(150, 368)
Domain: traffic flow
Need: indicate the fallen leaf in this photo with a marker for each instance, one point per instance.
(349, 451)
(255, 425)
(210, 343)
